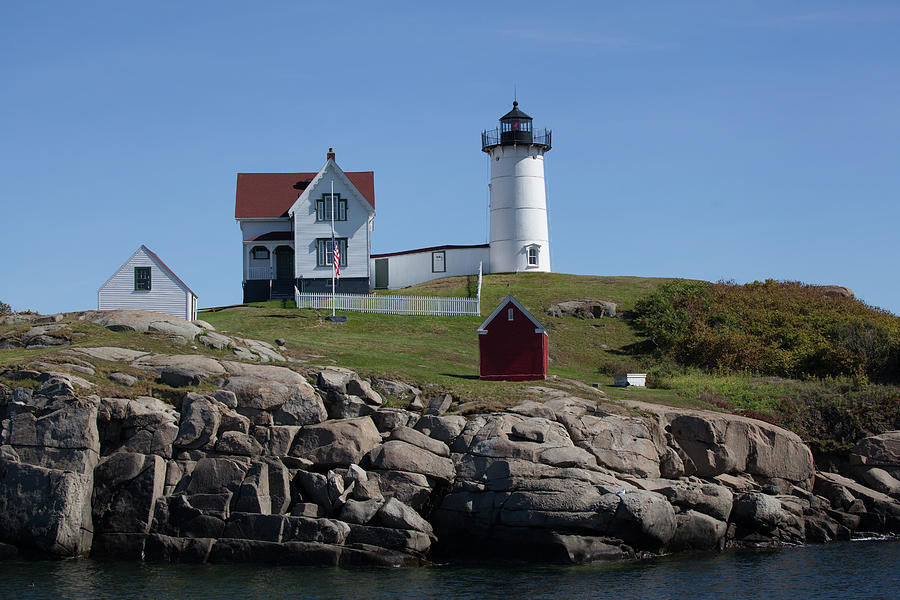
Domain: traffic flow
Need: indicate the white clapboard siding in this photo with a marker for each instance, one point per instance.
(167, 293)
(307, 230)
(392, 305)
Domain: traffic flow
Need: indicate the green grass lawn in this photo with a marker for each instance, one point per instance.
(443, 351)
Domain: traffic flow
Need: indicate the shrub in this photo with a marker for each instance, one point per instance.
(772, 328)
(5, 309)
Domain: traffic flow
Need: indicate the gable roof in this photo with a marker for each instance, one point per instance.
(271, 195)
(538, 328)
(331, 165)
(160, 264)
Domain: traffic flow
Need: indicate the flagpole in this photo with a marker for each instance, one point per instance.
(332, 247)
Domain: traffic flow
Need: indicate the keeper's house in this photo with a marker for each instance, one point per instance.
(285, 221)
(144, 282)
(512, 344)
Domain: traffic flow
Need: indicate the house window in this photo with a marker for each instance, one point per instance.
(509, 314)
(324, 251)
(533, 252)
(438, 262)
(142, 278)
(260, 253)
(323, 208)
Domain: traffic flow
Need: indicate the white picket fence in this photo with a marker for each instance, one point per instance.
(392, 305)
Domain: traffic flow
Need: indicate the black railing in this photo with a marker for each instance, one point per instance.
(493, 137)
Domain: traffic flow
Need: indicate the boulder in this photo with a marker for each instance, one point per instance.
(707, 498)
(181, 369)
(413, 489)
(45, 509)
(417, 438)
(445, 428)
(879, 451)
(143, 320)
(324, 531)
(200, 420)
(250, 526)
(238, 442)
(291, 403)
(126, 488)
(624, 444)
(362, 389)
(213, 475)
(60, 435)
(388, 419)
(697, 531)
(583, 309)
(111, 353)
(266, 372)
(314, 487)
(401, 540)
(394, 513)
(402, 456)
(345, 406)
(644, 520)
(253, 494)
(122, 378)
(163, 548)
(360, 511)
(439, 405)
(336, 443)
(757, 511)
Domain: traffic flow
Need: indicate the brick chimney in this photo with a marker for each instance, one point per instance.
(330, 155)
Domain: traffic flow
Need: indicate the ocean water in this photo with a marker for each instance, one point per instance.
(860, 569)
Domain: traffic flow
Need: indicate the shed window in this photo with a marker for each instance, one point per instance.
(142, 278)
(509, 314)
(323, 208)
(261, 253)
(324, 251)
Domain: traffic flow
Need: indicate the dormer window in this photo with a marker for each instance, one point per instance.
(534, 254)
(324, 204)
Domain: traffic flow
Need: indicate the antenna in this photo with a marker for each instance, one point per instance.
(515, 94)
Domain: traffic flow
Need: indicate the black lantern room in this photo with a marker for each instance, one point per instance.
(515, 128)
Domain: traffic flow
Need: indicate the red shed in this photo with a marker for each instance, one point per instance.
(512, 345)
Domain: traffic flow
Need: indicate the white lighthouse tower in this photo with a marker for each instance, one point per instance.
(519, 232)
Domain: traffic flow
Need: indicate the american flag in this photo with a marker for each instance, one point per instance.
(336, 260)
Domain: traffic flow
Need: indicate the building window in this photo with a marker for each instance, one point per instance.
(533, 254)
(324, 251)
(438, 260)
(142, 278)
(260, 253)
(323, 208)
(509, 314)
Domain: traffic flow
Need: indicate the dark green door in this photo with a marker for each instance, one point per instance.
(284, 262)
(381, 273)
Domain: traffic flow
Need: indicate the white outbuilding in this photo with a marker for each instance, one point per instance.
(145, 282)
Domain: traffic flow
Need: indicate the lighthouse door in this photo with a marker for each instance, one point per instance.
(381, 273)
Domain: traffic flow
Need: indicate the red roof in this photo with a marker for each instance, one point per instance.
(271, 195)
(272, 236)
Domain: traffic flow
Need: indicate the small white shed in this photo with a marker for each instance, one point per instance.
(144, 282)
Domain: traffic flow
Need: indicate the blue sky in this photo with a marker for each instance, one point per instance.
(712, 140)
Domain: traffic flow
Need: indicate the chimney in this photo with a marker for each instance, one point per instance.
(330, 155)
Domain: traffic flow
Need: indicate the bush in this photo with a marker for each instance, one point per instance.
(5, 309)
(772, 328)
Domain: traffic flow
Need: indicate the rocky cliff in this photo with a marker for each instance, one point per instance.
(304, 465)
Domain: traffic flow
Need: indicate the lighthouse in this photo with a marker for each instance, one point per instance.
(519, 233)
